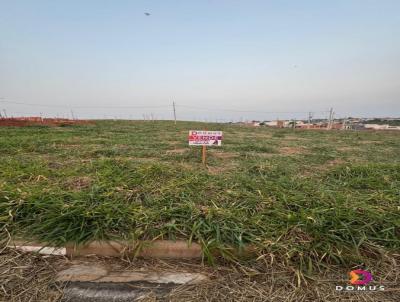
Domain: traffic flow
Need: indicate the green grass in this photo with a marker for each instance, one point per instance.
(310, 197)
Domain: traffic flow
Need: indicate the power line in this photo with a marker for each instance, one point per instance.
(162, 106)
(244, 111)
(175, 106)
(82, 107)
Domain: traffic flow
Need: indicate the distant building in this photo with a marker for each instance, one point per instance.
(301, 124)
(277, 123)
(337, 126)
(381, 127)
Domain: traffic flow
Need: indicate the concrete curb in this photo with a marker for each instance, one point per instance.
(145, 249)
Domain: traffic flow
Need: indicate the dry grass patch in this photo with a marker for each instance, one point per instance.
(186, 166)
(78, 183)
(29, 277)
(133, 158)
(334, 162)
(224, 155)
(219, 170)
(56, 165)
(70, 146)
(291, 150)
(348, 149)
(310, 171)
(177, 151)
(295, 138)
(367, 142)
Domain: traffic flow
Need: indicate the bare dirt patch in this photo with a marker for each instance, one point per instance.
(38, 121)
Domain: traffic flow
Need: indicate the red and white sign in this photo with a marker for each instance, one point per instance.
(205, 138)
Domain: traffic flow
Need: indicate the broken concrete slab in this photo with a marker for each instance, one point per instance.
(82, 273)
(89, 282)
(43, 250)
(116, 292)
(98, 273)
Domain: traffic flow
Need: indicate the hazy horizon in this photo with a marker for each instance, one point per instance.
(225, 60)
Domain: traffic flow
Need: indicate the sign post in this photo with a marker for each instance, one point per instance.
(205, 138)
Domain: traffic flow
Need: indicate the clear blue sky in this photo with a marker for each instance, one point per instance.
(272, 56)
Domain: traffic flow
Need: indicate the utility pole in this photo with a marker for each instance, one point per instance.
(344, 123)
(72, 114)
(173, 105)
(330, 119)
(310, 116)
(5, 113)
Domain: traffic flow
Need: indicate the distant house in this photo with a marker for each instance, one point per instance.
(381, 127)
(251, 123)
(277, 123)
(301, 124)
(280, 124)
(375, 126)
(271, 123)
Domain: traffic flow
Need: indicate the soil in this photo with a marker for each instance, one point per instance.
(35, 121)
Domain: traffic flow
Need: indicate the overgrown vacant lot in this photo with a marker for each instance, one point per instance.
(308, 197)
